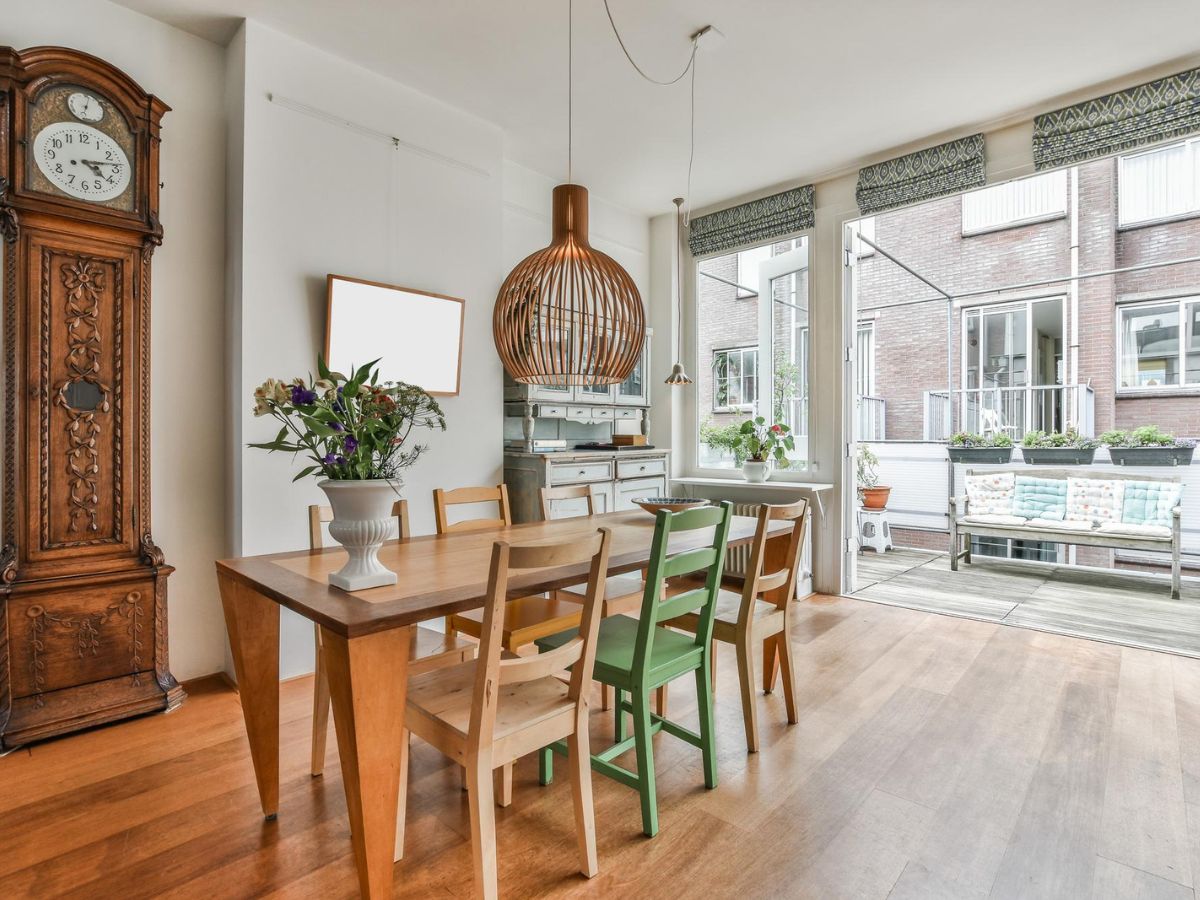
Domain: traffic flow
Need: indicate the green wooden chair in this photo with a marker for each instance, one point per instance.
(636, 656)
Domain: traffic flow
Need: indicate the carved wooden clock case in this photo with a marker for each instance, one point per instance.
(83, 587)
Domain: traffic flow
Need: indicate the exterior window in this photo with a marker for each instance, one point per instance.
(1015, 203)
(1150, 351)
(735, 379)
(1163, 183)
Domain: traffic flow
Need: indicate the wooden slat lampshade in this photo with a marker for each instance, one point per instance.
(569, 314)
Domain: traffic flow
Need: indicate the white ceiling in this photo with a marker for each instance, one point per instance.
(798, 88)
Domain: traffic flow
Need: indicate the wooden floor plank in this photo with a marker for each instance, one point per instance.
(935, 757)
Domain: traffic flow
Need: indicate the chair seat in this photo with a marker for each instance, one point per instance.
(670, 654)
(622, 594)
(445, 697)
(525, 619)
(430, 649)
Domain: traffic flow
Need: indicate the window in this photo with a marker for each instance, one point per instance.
(1150, 353)
(865, 227)
(866, 359)
(1015, 203)
(735, 379)
(752, 340)
(1159, 184)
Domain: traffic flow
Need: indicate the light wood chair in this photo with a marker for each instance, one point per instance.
(760, 613)
(526, 619)
(430, 649)
(622, 593)
(491, 711)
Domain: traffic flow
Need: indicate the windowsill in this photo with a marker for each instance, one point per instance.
(1167, 220)
(1150, 392)
(732, 410)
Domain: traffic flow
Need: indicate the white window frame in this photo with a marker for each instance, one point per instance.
(746, 406)
(1191, 187)
(1059, 177)
(1182, 303)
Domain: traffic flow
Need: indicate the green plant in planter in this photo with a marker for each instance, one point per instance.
(1070, 439)
(723, 437)
(867, 467)
(1145, 436)
(967, 439)
(760, 442)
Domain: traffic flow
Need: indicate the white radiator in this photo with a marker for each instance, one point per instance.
(737, 559)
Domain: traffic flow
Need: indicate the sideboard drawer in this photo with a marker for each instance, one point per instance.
(551, 412)
(63, 638)
(642, 468)
(584, 470)
(628, 413)
(590, 413)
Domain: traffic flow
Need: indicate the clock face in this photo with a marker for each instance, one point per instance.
(81, 161)
(85, 107)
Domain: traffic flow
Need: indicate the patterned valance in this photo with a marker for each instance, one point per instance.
(945, 169)
(756, 222)
(1146, 114)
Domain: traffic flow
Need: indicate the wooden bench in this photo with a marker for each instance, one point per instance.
(962, 529)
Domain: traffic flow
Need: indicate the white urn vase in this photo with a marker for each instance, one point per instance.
(756, 472)
(362, 521)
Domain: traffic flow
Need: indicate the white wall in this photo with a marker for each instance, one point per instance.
(187, 403)
(320, 197)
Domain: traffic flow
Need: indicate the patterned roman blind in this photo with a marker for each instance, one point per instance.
(945, 169)
(756, 222)
(1146, 114)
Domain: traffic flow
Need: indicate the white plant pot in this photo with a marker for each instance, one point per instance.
(362, 521)
(756, 472)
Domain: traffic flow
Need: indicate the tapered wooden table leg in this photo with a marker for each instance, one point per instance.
(252, 621)
(368, 678)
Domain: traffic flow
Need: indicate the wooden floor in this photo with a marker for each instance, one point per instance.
(936, 757)
(1105, 605)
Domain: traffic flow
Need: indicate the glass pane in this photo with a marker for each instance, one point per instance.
(1149, 342)
(1192, 347)
(789, 384)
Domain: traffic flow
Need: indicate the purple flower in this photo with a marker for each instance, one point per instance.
(341, 460)
(350, 444)
(302, 396)
(337, 426)
(329, 459)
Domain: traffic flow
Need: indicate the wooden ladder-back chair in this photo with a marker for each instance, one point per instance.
(489, 712)
(760, 613)
(636, 656)
(622, 593)
(429, 649)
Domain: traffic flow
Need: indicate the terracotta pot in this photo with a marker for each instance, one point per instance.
(875, 497)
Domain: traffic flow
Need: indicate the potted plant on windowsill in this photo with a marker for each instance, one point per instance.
(1060, 448)
(762, 445)
(871, 493)
(355, 431)
(1147, 446)
(975, 448)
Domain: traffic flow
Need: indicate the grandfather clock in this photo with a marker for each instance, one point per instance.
(83, 587)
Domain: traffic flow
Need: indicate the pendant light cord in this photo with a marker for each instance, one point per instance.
(690, 67)
(570, 83)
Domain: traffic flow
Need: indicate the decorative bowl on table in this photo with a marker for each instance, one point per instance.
(672, 504)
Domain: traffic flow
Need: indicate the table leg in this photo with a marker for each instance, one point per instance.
(252, 621)
(368, 681)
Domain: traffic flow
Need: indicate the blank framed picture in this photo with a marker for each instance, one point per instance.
(416, 336)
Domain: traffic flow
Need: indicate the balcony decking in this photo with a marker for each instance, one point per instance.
(1105, 605)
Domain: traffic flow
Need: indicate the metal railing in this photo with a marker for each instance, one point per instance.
(1014, 411)
(871, 420)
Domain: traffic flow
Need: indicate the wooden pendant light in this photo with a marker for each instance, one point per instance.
(569, 314)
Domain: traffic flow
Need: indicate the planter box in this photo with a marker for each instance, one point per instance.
(1151, 456)
(980, 455)
(1057, 456)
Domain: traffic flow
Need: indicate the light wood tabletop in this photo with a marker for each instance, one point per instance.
(366, 635)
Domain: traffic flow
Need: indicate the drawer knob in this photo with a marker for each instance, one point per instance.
(641, 468)
(583, 471)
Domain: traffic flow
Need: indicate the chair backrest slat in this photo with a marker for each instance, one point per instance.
(323, 515)
(491, 671)
(774, 564)
(654, 608)
(548, 495)
(443, 500)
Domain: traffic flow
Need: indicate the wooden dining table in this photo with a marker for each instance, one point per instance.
(366, 635)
